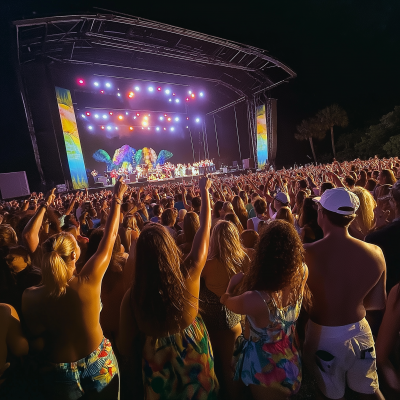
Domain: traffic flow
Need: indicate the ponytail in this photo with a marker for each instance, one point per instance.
(56, 250)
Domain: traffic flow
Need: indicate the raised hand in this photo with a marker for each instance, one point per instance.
(204, 183)
(50, 197)
(120, 188)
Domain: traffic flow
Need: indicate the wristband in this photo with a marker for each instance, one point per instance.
(44, 205)
(118, 200)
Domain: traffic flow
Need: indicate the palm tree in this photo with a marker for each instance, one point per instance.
(331, 116)
(308, 130)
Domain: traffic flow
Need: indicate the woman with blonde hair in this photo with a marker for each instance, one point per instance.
(240, 210)
(64, 311)
(129, 231)
(226, 258)
(365, 219)
(235, 221)
(160, 328)
(191, 224)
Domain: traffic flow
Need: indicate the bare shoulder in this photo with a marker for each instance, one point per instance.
(7, 310)
(373, 250)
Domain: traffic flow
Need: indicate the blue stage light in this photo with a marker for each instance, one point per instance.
(177, 100)
(161, 118)
(108, 84)
(126, 113)
(170, 100)
(116, 128)
(109, 128)
(137, 88)
(96, 115)
(90, 127)
(167, 91)
(96, 84)
(197, 119)
(134, 117)
(176, 119)
(190, 92)
(105, 116)
(148, 128)
(172, 128)
(151, 89)
(119, 94)
(201, 94)
(83, 116)
(157, 129)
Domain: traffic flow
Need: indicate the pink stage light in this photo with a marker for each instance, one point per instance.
(88, 114)
(159, 89)
(187, 98)
(110, 113)
(102, 127)
(81, 81)
(102, 91)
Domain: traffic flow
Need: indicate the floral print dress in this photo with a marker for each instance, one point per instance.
(269, 356)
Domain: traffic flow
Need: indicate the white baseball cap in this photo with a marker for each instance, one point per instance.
(339, 200)
(282, 197)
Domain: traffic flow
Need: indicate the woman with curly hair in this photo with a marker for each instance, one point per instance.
(266, 358)
(160, 326)
(365, 217)
(226, 258)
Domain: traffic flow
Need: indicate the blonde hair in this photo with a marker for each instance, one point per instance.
(8, 237)
(225, 246)
(56, 250)
(365, 213)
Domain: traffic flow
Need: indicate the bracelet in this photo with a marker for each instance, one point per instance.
(44, 205)
(118, 200)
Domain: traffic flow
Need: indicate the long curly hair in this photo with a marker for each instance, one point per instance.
(225, 246)
(159, 278)
(365, 212)
(278, 262)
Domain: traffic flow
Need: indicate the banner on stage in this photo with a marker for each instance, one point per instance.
(262, 140)
(71, 139)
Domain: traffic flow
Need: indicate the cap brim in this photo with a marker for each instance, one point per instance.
(316, 199)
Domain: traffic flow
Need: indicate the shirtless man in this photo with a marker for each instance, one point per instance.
(347, 277)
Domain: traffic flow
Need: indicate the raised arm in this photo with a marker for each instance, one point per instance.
(198, 255)
(95, 268)
(30, 235)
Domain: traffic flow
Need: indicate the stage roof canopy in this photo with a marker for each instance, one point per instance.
(152, 49)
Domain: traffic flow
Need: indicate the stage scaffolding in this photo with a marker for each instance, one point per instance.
(127, 45)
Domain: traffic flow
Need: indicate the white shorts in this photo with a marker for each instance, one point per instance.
(340, 355)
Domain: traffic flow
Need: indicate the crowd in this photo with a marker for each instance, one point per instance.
(233, 288)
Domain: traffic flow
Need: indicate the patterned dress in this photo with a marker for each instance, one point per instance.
(269, 356)
(180, 366)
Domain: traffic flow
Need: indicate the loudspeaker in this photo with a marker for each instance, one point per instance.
(248, 163)
(142, 180)
(133, 177)
(234, 164)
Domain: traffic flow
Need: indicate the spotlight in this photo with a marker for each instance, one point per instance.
(109, 128)
(131, 94)
(102, 127)
(197, 119)
(131, 128)
(83, 116)
(144, 123)
(172, 128)
(161, 118)
(177, 100)
(159, 89)
(190, 92)
(90, 127)
(187, 98)
(170, 100)
(126, 113)
(88, 113)
(201, 94)
(146, 118)
(165, 115)
(176, 119)
(105, 116)
(138, 114)
(96, 115)
(187, 127)
(151, 89)
(173, 94)
(102, 91)
(157, 129)
(119, 94)
(108, 84)
(120, 117)
(134, 117)
(137, 88)
(148, 128)
(187, 118)
(192, 95)
(142, 127)
(168, 119)
(96, 84)
(149, 115)
(167, 91)
(116, 128)
(111, 113)
(165, 129)
(81, 81)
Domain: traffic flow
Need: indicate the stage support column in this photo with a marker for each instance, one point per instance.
(237, 133)
(191, 140)
(216, 136)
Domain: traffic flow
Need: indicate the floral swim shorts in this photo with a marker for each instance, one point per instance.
(93, 373)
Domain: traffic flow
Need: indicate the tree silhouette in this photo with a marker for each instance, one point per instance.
(310, 129)
(331, 116)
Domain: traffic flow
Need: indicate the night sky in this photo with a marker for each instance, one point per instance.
(345, 52)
